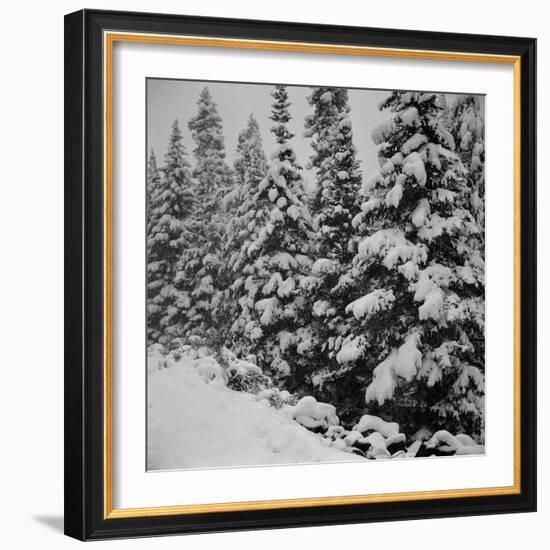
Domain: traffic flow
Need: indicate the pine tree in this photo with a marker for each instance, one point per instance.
(416, 285)
(153, 175)
(213, 175)
(200, 277)
(274, 258)
(337, 206)
(329, 106)
(248, 215)
(467, 126)
(170, 205)
(338, 202)
(250, 160)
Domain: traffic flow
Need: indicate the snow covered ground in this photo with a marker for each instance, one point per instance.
(210, 410)
(196, 421)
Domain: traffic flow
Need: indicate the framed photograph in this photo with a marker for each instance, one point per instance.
(300, 274)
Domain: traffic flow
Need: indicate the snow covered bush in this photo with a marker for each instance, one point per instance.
(277, 398)
(243, 374)
(461, 444)
(313, 415)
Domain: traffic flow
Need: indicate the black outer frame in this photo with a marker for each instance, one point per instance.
(84, 516)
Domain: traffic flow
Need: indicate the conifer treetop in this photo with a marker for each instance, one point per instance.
(213, 175)
(175, 157)
(280, 115)
(328, 105)
(152, 168)
(250, 155)
(206, 127)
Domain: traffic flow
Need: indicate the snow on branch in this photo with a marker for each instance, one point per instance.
(351, 349)
(373, 302)
(392, 246)
(403, 362)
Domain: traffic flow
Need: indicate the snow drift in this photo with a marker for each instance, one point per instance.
(207, 411)
(195, 421)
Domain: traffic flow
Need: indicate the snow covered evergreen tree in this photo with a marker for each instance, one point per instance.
(200, 274)
(153, 175)
(249, 214)
(153, 183)
(275, 256)
(213, 175)
(416, 286)
(337, 204)
(467, 126)
(171, 203)
(250, 161)
(338, 201)
(329, 104)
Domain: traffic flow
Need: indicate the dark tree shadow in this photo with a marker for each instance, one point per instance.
(55, 523)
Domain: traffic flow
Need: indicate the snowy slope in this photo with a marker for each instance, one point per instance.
(194, 421)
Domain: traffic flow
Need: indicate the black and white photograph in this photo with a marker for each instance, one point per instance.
(271, 266)
(315, 274)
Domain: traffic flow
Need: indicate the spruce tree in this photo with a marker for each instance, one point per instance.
(416, 301)
(200, 277)
(337, 205)
(466, 123)
(329, 105)
(153, 175)
(170, 206)
(248, 215)
(250, 160)
(154, 181)
(213, 175)
(275, 257)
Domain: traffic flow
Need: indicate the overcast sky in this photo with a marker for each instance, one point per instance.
(171, 99)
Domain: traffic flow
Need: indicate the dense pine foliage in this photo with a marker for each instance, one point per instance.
(366, 293)
(200, 272)
(170, 232)
(276, 255)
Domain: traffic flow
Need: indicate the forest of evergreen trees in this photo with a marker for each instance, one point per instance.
(365, 293)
